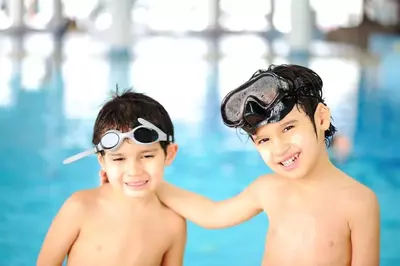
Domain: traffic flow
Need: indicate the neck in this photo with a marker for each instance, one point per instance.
(322, 170)
(145, 201)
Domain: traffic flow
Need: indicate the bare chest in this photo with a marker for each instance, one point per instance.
(121, 241)
(308, 232)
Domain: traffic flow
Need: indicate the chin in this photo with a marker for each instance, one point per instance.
(295, 174)
(137, 194)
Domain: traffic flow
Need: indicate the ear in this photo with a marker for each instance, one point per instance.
(101, 161)
(172, 149)
(322, 117)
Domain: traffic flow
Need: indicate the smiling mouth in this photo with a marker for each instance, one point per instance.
(137, 184)
(290, 161)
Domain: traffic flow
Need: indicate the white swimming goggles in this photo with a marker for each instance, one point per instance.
(146, 133)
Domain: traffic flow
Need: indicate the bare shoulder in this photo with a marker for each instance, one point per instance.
(78, 199)
(266, 181)
(176, 223)
(264, 190)
(360, 200)
(266, 184)
(358, 194)
(364, 198)
(83, 199)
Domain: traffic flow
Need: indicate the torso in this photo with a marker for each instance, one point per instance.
(307, 228)
(113, 236)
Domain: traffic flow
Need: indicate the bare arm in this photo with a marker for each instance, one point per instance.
(365, 235)
(210, 214)
(62, 233)
(174, 255)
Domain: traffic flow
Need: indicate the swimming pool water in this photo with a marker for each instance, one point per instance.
(47, 116)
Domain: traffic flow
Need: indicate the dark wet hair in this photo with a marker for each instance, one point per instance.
(122, 111)
(308, 91)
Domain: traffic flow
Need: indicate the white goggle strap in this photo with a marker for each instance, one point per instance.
(79, 156)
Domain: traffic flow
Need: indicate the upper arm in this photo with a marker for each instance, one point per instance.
(175, 253)
(62, 233)
(239, 208)
(210, 214)
(365, 235)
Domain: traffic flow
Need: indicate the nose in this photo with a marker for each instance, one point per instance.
(134, 167)
(281, 147)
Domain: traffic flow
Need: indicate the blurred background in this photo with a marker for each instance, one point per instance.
(61, 59)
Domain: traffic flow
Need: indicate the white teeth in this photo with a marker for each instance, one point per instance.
(136, 184)
(290, 161)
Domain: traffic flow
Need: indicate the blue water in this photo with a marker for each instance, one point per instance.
(47, 113)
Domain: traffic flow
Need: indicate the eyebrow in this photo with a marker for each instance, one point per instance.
(149, 150)
(143, 151)
(288, 122)
(116, 154)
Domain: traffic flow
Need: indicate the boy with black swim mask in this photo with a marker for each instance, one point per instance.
(317, 214)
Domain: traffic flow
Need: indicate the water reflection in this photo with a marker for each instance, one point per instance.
(52, 117)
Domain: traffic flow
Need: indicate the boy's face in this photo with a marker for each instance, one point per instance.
(136, 169)
(290, 147)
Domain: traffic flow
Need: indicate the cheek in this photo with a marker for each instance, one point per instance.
(155, 168)
(296, 139)
(265, 155)
(303, 139)
(114, 172)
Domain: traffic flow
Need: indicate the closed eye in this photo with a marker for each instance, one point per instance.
(118, 159)
(148, 156)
